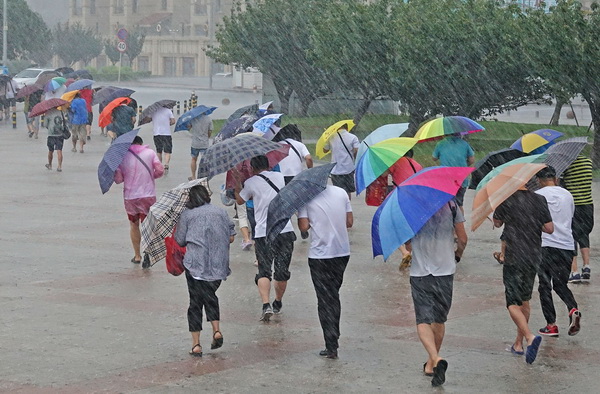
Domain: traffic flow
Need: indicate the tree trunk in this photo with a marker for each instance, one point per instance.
(595, 111)
(284, 95)
(416, 118)
(362, 109)
(556, 114)
(303, 107)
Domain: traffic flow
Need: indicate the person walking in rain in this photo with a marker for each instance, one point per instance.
(454, 151)
(344, 146)
(206, 231)
(525, 216)
(329, 215)
(557, 254)
(137, 172)
(79, 119)
(201, 129)
(162, 120)
(54, 122)
(262, 188)
(434, 258)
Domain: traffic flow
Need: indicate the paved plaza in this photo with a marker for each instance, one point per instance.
(78, 317)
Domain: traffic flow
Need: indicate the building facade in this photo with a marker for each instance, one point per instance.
(177, 31)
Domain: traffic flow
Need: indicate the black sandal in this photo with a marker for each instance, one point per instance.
(426, 373)
(134, 261)
(217, 342)
(196, 354)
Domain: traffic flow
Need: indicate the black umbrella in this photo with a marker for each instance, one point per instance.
(64, 70)
(102, 94)
(146, 116)
(235, 127)
(122, 92)
(79, 74)
(288, 131)
(248, 109)
(562, 154)
(491, 161)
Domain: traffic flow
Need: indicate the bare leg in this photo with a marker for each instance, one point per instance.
(280, 287)
(195, 339)
(136, 238)
(194, 166)
(215, 327)
(245, 234)
(585, 255)
(427, 336)
(439, 330)
(159, 154)
(50, 156)
(59, 156)
(167, 159)
(264, 289)
(88, 129)
(520, 316)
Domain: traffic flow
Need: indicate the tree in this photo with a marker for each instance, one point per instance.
(111, 51)
(75, 43)
(135, 42)
(27, 33)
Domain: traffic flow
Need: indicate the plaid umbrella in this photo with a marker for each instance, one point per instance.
(223, 156)
(563, 153)
(162, 218)
(113, 158)
(146, 116)
(235, 127)
(296, 194)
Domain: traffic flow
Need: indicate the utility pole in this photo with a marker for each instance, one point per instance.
(211, 36)
(4, 35)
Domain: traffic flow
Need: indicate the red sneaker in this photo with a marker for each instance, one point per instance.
(549, 331)
(575, 321)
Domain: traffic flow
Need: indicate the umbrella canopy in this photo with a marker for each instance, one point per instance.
(102, 94)
(448, 125)
(45, 77)
(111, 95)
(387, 131)
(45, 106)
(106, 115)
(162, 218)
(290, 130)
(238, 113)
(113, 157)
(499, 188)
(69, 96)
(301, 190)
(80, 84)
(520, 160)
(79, 74)
(406, 209)
(243, 170)
(64, 70)
(146, 116)
(69, 81)
(27, 90)
(535, 139)
(235, 127)
(265, 126)
(52, 85)
(330, 132)
(491, 161)
(184, 121)
(223, 156)
(563, 153)
(379, 158)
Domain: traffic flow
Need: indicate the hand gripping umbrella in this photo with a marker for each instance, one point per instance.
(112, 159)
(184, 121)
(406, 210)
(301, 190)
(447, 126)
(146, 116)
(382, 133)
(329, 133)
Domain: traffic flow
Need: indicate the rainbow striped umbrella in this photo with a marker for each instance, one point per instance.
(330, 132)
(379, 158)
(446, 126)
(406, 210)
(536, 139)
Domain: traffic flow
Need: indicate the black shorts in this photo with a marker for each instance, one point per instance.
(432, 297)
(583, 223)
(460, 196)
(345, 181)
(277, 254)
(55, 143)
(11, 102)
(163, 143)
(90, 118)
(518, 279)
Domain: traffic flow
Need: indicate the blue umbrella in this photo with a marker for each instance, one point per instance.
(264, 124)
(80, 84)
(301, 190)
(113, 95)
(183, 123)
(235, 127)
(382, 133)
(406, 210)
(113, 157)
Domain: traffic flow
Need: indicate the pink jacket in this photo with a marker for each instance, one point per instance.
(133, 174)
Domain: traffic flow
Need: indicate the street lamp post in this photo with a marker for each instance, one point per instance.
(4, 35)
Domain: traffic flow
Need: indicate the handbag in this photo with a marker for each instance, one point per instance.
(174, 258)
(66, 134)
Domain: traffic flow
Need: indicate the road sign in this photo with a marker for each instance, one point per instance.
(122, 34)
(121, 46)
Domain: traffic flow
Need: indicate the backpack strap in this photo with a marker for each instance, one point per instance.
(269, 182)
(343, 143)
(292, 146)
(144, 163)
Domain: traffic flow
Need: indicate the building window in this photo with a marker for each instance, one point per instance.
(200, 9)
(143, 63)
(201, 30)
(134, 6)
(189, 67)
(93, 7)
(119, 6)
(217, 6)
(169, 66)
(76, 7)
(164, 5)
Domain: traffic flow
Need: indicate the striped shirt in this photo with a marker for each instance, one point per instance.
(577, 179)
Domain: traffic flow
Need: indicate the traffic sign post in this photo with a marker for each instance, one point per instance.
(121, 47)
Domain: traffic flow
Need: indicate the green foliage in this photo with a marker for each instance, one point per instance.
(111, 73)
(135, 43)
(74, 43)
(111, 51)
(28, 35)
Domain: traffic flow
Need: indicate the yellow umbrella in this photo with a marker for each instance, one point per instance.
(330, 132)
(69, 96)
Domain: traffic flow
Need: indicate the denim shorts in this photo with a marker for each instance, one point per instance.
(196, 152)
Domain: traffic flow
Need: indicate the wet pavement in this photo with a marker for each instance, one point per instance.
(78, 317)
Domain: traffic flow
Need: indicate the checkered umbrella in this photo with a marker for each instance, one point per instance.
(162, 218)
(223, 156)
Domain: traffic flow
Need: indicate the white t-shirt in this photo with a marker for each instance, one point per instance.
(339, 154)
(257, 189)
(433, 245)
(327, 216)
(292, 164)
(161, 121)
(562, 208)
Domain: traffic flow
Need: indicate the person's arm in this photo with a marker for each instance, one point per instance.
(461, 240)
(408, 246)
(470, 160)
(119, 176)
(303, 224)
(171, 121)
(548, 228)
(349, 219)
(210, 128)
(498, 223)
(309, 161)
(180, 231)
(157, 166)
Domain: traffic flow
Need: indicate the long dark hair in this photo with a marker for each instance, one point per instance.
(198, 197)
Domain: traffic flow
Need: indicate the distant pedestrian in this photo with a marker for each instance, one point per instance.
(123, 120)
(201, 129)
(454, 151)
(344, 146)
(11, 101)
(525, 216)
(557, 255)
(328, 215)
(87, 94)
(162, 120)
(206, 231)
(33, 123)
(78, 118)
(54, 122)
(577, 179)
(261, 189)
(434, 258)
(137, 172)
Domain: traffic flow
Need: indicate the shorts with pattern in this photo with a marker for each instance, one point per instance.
(55, 143)
(78, 131)
(518, 278)
(163, 143)
(345, 181)
(432, 297)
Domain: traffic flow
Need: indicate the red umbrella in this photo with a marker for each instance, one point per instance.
(245, 170)
(45, 106)
(69, 81)
(106, 116)
(27, 90)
